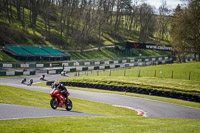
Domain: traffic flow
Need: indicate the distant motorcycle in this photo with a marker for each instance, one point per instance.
(63, 73)
(30, 82)
(58, 100)
(23, 81)
(42, 77)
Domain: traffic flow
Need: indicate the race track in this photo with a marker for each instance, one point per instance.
(151, 107)
(9, 111)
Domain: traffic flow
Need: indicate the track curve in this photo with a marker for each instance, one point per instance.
(153, 108)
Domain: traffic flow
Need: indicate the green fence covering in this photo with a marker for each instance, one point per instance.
(107, 67)
(72, 69)
(85, 68)
(2, 73)
(117, 66)
(101, 62)
(96, 68)
(18, 73)
(111, 62)
(32, 72)
(46, 65)
(59, 71)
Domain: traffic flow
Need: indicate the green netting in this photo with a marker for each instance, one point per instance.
(35, 50)
(53, 51)
(18, 50)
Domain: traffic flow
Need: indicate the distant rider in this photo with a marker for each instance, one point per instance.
(23, 81)
(42, 77)
(61, 88)
(30, 82)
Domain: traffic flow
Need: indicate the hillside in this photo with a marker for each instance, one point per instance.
(66, 36)
(69, 28)
(103, 54)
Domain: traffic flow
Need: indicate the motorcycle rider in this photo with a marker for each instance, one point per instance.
(42, 77)
(30, 82)
(23, 81)
(60, 88)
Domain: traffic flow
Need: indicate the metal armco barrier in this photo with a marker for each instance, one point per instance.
(169, 94)
(16, 73)
(159, 60)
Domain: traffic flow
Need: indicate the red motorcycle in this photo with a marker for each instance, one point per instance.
(58, 100)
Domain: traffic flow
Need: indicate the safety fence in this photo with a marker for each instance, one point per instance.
(177, 95)
(102, 67)
(86, 62)
(86, 65)
(16, 73)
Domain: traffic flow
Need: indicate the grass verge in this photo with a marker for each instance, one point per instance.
(117, 120)
(101, 124)
(13, 95)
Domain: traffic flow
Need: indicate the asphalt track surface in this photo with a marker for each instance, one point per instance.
(9, 111)
(152, 108)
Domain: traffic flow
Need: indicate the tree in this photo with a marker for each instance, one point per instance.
(34, 8)
(147, 21)
(177, 28)
(186, 29)
(163, 21)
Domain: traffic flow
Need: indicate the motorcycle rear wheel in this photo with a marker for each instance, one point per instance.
(69, 105)
(53, 103)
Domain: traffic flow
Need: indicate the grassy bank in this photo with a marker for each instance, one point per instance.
(6, 58)
(147, 79)
(103, 54)
(111, 53)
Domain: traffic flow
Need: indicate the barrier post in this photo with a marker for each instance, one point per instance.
(124, 71)
(139, 73)
(189, 75)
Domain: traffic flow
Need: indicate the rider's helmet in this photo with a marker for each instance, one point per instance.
(56, 84)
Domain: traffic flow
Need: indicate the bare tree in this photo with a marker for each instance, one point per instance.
(146, 22)
(35, 5)
(163, 21)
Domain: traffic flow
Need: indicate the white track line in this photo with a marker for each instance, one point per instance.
(139, 111)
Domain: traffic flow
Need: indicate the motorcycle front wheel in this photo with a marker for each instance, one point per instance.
(53, 103)
(69, 105)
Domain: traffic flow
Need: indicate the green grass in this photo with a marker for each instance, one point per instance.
(111, 53)
(101, 124)
(117, 119)
(13, 95)
(162, 81)
(5, 57)
(185, 71)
